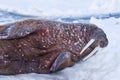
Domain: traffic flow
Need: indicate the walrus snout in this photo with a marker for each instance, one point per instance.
(100, 36)
(103, 42)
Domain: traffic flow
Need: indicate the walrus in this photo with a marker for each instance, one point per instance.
(44, 46)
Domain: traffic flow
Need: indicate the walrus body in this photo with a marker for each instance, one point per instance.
(44, 46)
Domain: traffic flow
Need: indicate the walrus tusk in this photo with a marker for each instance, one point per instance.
(87, 45)
(93, 52)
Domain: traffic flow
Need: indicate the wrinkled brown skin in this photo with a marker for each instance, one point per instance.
(37, 51)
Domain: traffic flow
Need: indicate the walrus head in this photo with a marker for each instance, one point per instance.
(100, 37)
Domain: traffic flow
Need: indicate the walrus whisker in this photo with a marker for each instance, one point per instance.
(96, 49)
(87, 45)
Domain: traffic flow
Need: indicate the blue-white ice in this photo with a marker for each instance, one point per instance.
(105, 65)
(61, 7)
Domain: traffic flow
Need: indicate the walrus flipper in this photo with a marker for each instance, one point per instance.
(62, 61)
(13, 32)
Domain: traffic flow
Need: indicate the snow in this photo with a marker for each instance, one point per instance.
(109, 60)
(61, 7)
(104, 65)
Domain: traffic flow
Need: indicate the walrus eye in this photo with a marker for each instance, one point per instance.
(27, 32)
(24, 33)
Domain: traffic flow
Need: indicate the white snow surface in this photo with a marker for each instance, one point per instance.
(61, 8)
(104, 65)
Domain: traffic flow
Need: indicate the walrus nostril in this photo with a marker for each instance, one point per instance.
(103, 42)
